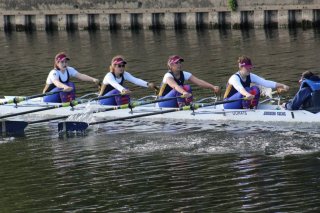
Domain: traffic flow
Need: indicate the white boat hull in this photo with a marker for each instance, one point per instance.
(264, 113)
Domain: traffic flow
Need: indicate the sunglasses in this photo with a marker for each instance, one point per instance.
(120, 65)
(248, 66)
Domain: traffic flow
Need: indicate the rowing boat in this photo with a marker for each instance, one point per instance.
(263, 113)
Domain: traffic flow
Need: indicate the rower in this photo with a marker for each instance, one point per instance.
(173, 84)
(308, 96)
(114, 80)
(239, 86)
(59, 79)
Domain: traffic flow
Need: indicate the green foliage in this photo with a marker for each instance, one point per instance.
(232, 4)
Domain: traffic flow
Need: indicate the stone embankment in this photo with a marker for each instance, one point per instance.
(20, 15)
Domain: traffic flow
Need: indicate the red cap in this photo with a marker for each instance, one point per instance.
(174, 59)
(61, 57)
(245, 63)
(118, 61)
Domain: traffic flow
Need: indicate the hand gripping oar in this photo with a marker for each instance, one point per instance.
(16, 100)
(67, 104)
(71, 126)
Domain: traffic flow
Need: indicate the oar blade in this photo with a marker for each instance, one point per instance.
(13, 127)
(72, 126)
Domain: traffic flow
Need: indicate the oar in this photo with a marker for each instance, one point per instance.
(19, 126)
(70, 126)
(126, 106)
(16, 100)
(16, 127)
(137, 103)
(67, 104)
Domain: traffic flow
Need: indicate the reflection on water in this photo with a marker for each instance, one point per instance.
(149, 166)
(201, 171)
(277, 54)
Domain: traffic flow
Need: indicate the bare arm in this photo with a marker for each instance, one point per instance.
(244, 92)
(171, 82)
(204, 84)
(103, 87)
(63, 86)
(235, 82)
(84, 77)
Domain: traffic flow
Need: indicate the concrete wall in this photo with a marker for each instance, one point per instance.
(29, 5)
(147, 14)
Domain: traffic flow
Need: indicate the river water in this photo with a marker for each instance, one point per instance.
(148, 166)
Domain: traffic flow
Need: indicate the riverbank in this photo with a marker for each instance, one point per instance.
(19, 15)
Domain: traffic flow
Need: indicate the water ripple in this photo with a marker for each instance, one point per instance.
(151, 166)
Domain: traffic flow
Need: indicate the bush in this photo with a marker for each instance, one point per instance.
(232, 4)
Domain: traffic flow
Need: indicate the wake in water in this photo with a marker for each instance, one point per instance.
(213, 138)
(194, 137)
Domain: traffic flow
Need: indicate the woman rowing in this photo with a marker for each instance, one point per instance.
(59, 79)
(113, 83)
(173, 84)
(239, 86)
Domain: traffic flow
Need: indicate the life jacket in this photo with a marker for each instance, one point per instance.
(314, 84)
(230, 90)
(109, 87)
(165, 88)
(52, 86)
